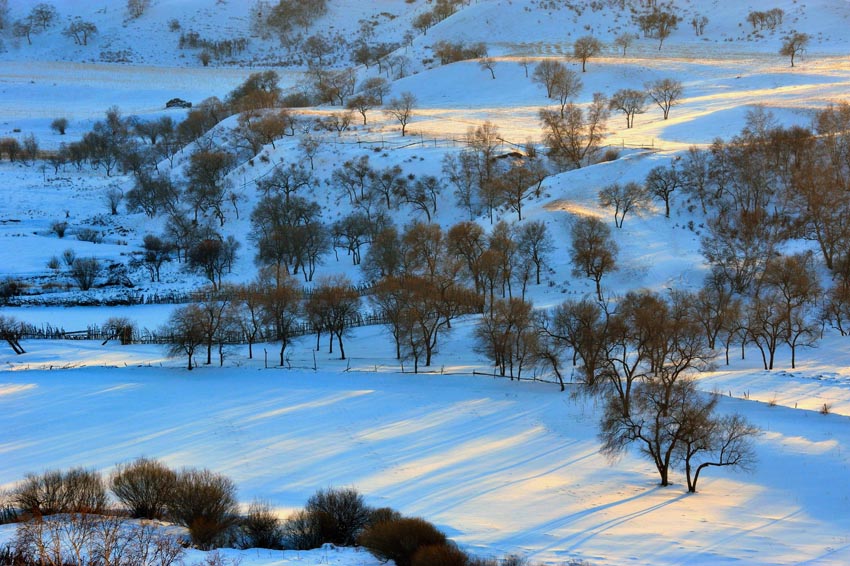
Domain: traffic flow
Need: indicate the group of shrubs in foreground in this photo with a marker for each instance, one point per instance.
(68, 518)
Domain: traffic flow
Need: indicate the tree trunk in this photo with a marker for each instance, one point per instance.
(341, 349)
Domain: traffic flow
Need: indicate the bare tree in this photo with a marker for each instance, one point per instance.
(332, 306)
(488, 64)
(698, 22)
(135, 8)
(280, 306)
(586, 47)
(362, 103)
(506, 335)
(659, 23)
(546, 73)
(157, 252)
(665, 93)
(80, 31)
(630, 102)
(711, 441)
(593, 252)
(795, 280)
(764, 325)
(401, 108)
(624, 41)
(462, 172)
(795, 45)
(11, 331)
(518, 183)
(310, 145)
(23, 28)
(624, 198)
(213, 256)
(286, 180)
(534, 244)
(576, 137)
(376, 88)
(565, 87)
(43, 14)
(59, 125)
(113, 198)
(661, 182)
(84, 271)
(185, 330)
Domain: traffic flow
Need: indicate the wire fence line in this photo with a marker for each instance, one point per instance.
(150, 336)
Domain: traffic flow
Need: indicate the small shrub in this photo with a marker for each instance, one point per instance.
(399, 540)
(301, 531)
(610, 154)
(68, 256)
(89, 235)
(174, 24)
(59, 125)
(120, 328)
(84, 271)
(296, 100)
(143, 487)
(261, 528)
(59, 228)
(440, 555)
(342, 514)
(54, 263)
(205, 503)
(826, 408)
(11, 287)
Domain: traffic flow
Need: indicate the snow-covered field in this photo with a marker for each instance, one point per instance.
(500, 466)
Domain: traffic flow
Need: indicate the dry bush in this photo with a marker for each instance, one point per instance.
(59, 228)
(342, 514)
(440, 555)
(205, 503)
(301, 531)
(383, 514)
(143, 487)
(261, 528)
(399, 540)
(84, 271)
(76, 491)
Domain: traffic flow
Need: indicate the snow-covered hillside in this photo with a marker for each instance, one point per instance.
(500, 466)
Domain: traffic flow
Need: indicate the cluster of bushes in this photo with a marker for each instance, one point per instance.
(452, 51)
(217, 49)
(66, 517)
(769, 19)
(201, 500)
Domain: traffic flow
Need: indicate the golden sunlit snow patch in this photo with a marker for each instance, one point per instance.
(13, 388)
(572, 207)
(310, 405)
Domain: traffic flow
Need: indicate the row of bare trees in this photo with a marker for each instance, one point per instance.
(427, 277)
(272, 307)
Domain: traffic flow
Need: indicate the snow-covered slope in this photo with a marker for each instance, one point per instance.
(500, 466)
